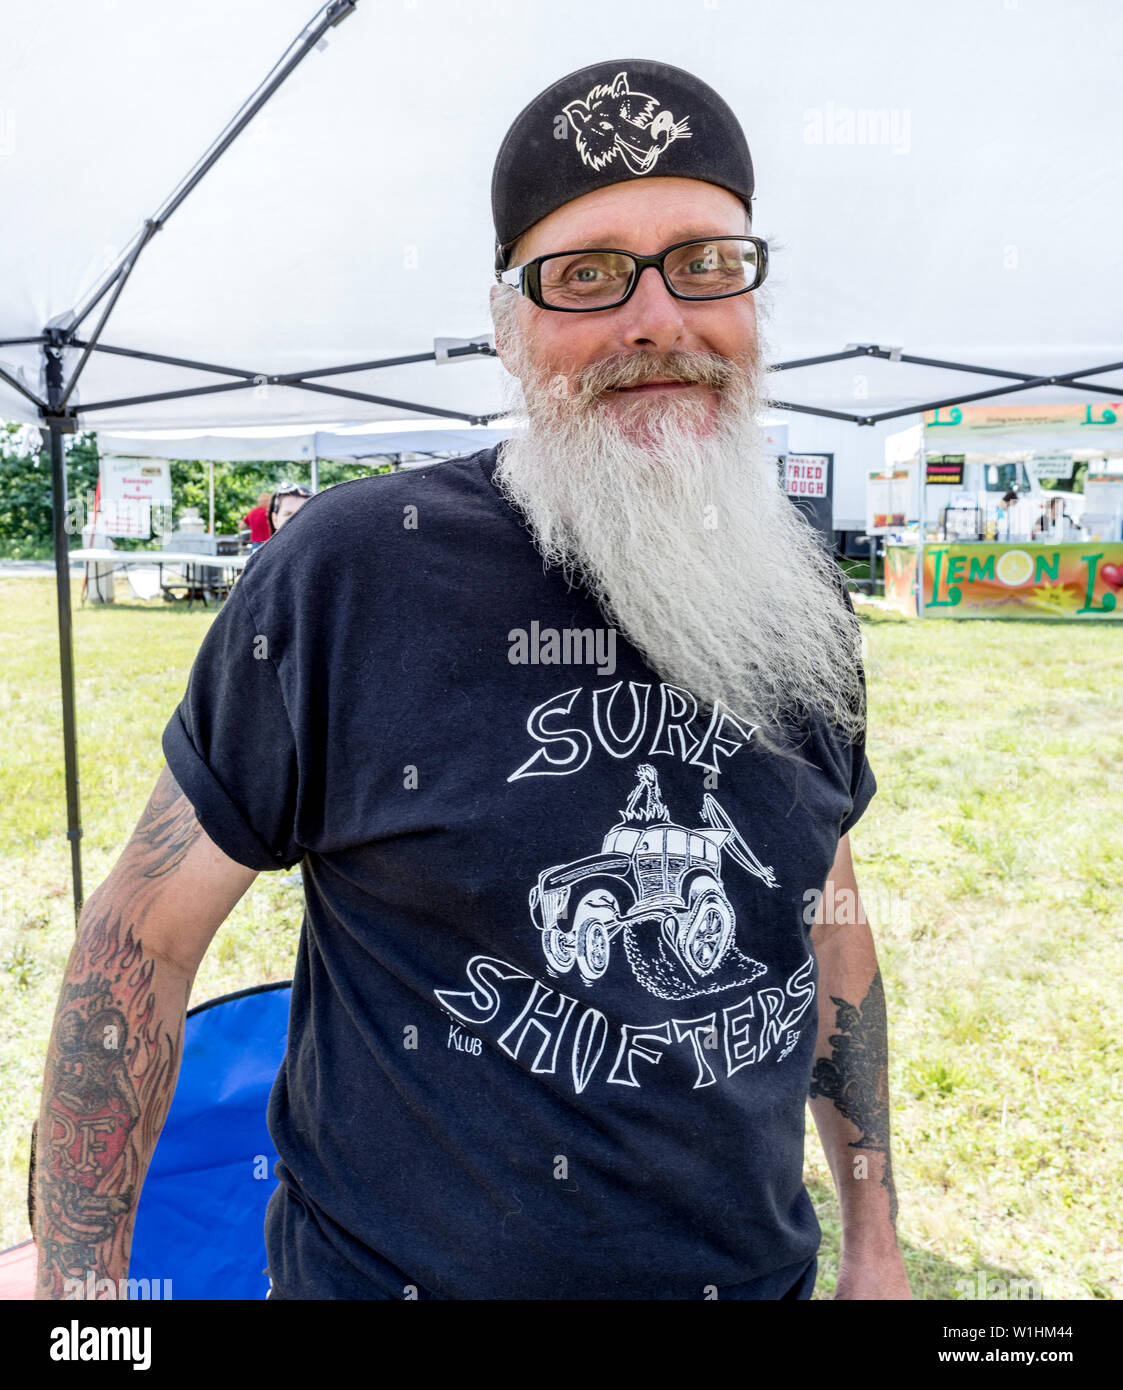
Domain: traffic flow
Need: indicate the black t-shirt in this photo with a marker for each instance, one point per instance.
(553, 1014)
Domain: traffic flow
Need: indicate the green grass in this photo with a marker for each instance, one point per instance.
(992, 858)
(855, 569)
(991, 862)
(131, 664)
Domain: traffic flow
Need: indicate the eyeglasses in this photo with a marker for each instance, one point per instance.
(579, 282)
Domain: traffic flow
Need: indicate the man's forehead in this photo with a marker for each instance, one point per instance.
(625, 215)
(629, 231)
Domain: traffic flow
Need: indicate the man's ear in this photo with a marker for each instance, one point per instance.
(500, 345)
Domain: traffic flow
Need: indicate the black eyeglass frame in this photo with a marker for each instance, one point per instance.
(529, 280)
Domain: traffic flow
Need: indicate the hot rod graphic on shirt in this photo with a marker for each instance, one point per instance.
(657, 886)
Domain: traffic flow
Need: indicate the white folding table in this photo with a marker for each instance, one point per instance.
(223, 569)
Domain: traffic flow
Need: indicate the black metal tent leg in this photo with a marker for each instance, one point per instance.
(66, 643)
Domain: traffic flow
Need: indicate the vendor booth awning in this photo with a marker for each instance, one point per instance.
(1095, 428)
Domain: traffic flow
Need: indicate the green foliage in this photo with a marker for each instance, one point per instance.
(1073, 484)
(21, 965)
(237, 485)
(25, 489)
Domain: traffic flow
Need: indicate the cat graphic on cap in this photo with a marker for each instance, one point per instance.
(627, 117)
(613, 120)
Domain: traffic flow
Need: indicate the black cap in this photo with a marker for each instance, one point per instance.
(610, 122)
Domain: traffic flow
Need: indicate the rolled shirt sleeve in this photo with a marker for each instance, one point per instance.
(230, 743)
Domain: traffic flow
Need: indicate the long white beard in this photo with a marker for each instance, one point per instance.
(686, 539)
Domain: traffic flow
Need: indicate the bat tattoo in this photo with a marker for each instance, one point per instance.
(855, 1076)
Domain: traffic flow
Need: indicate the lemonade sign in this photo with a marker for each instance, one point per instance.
(1014, 568)
(974, 581)
(900, 577)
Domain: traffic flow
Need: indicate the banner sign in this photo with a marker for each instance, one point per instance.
(946, 469)
(973, 580)
(130, 487)
(805, 475)
(1050, 465)
(887, 500)
(808, 479)
(1096, 418)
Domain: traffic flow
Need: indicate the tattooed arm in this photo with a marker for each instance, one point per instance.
(849, 1091)
(114, 1052)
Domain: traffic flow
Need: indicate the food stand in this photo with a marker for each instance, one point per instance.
(980, 537)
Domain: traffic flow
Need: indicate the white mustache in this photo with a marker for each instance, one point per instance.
(641, 369)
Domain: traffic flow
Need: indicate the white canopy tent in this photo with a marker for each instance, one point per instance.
(938, 183)
(940, 177)
(294, 443)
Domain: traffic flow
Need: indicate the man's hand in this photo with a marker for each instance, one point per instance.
(872, 1273)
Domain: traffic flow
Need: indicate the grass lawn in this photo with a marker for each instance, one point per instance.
(991, 863)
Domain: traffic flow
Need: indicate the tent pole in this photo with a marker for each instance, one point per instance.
(56, 425)
(315, 476)
(210, 497)
(922, 480)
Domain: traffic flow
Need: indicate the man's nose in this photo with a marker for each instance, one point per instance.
(652, 318)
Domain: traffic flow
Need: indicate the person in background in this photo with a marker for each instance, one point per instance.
(257, 519)
(285, 503)
(1005, 513)
(1055, 524)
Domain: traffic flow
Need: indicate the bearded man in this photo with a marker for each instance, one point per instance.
(567, 737)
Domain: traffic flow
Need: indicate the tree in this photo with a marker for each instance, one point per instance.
(1075, 484)
(25, 487)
